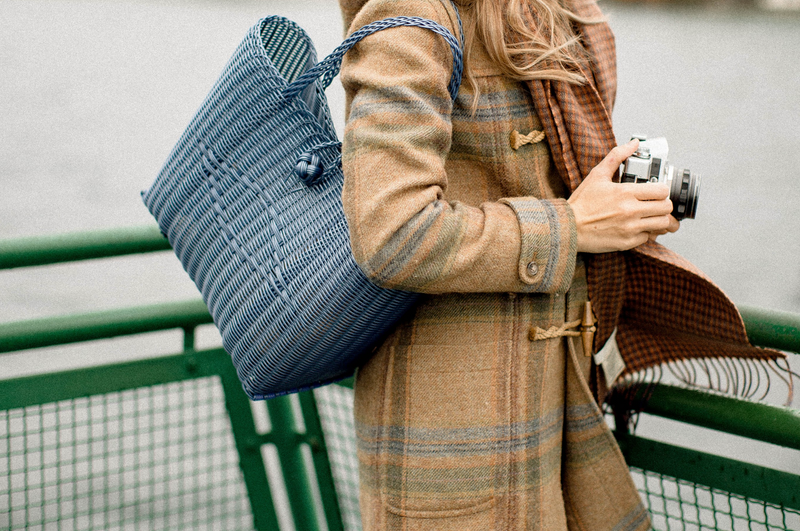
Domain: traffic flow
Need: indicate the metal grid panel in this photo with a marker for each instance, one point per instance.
(335, 406)
(675, 504)
(151, 458)
(163, 457)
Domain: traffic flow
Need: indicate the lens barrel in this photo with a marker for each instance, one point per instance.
(684, 193)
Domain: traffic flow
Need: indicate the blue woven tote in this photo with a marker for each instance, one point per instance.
(250, 199)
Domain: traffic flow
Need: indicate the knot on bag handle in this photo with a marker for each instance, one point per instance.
(329, 67)
(309, 167)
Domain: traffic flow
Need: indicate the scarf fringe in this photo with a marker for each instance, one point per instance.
(743, 378)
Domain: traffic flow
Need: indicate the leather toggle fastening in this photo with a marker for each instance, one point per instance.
(518, 140)
(585, 328)
(588, 329)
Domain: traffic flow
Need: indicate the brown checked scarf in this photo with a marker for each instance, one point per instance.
(577, 124)
(666, 311)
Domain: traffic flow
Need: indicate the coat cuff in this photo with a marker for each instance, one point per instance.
(548, 243)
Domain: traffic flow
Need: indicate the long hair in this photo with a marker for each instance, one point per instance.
(527, 39)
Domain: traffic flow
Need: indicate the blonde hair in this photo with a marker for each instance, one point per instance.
(539, 44)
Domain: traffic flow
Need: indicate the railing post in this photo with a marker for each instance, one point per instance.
(248, 445)
(287, 438)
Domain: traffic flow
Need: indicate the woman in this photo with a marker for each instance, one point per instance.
(480, 410)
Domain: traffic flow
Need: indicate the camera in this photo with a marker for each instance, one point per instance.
(650, 165)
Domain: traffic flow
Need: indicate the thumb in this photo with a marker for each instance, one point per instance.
(609, 166)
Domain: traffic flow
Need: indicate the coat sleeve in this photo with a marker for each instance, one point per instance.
(404, 232)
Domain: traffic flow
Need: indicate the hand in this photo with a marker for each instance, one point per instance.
(619, 216)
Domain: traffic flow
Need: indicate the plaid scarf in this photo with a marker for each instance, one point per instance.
(666, 310)
(577, 124)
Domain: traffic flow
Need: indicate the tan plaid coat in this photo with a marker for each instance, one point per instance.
(463, 422)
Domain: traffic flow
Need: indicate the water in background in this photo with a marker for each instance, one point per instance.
(93, 94)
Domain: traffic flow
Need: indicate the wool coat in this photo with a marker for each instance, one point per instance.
(463, 422)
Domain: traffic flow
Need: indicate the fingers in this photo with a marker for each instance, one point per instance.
(653, 208)
(609, 166)
(633, 209)
(664, 225)
(655, 224)
(649, 191)
(672, 226)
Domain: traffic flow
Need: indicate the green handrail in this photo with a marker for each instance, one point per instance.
(753, 481)
(70, 247)
(768, 328)
(754, 420)
(772, 328)
(45, 332)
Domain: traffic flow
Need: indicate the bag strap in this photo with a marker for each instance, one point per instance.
(329, 67)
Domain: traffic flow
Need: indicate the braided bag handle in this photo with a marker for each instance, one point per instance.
(329, 67)
(309, 166)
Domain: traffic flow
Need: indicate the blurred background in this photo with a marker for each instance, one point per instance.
(93, 95)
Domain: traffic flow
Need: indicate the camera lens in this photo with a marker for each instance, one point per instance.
(684, 193)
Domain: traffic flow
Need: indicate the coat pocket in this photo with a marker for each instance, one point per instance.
(442, 515)
(428, 426)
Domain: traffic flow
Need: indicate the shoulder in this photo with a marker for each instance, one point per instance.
(403, 50)
(440, 11)
(401, 62)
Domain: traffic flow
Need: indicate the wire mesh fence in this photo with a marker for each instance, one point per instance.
(164, 457)
(675, 504)
(152, 458)
(336, 414)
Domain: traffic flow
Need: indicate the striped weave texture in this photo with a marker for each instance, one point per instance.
(250, 201)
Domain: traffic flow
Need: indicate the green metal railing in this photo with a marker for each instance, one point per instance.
(173, 442)
(37, 464)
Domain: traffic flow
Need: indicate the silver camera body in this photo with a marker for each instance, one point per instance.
(650, 165)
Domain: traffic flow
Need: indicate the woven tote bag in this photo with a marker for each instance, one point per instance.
(250, 199)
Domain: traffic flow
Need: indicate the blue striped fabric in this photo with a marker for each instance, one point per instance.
(267, 245)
